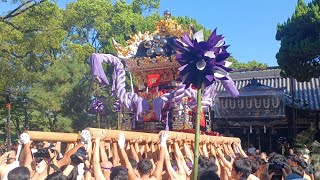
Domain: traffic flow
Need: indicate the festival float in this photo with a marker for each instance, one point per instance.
(176, 71)
(165, 97)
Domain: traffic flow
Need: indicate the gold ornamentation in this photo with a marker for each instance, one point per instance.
(169, 27)
(153, 80)
(133, 44)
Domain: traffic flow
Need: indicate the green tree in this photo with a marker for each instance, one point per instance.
(125, 22)
(300, 42)
(11, 34)
(91, 26)
(29, 38)
(249, 65)
(140, 6)
(305, 138)
(53, 87)
(187, 21)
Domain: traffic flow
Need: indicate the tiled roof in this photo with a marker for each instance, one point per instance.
(307, 93)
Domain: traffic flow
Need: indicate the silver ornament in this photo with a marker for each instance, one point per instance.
(156, 37)
(201, 64)
(159, 51)
(147, 44)
(163, 42)
(167, 14)
(150, 52)
(164, 53)
(155, 45)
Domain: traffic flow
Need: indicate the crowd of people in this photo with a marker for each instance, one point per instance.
(133, 159)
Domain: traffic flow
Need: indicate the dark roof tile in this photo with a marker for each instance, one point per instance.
(307, 92)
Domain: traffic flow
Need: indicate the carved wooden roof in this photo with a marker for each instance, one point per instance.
(140, 62)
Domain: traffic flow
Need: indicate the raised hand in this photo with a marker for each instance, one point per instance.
(24, 138)
(85, 136)
(121, 141)
(163, 139)
(52, 154)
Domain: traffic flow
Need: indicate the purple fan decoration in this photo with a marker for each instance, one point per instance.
(97, 106)
(203, 63)
(202, 58)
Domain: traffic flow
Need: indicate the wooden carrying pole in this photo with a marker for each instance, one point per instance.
(129, 135)
(53, 136)
(107, 134)
(188, 137)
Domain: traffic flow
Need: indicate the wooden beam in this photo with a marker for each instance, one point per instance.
(53, 136)
(106, 134)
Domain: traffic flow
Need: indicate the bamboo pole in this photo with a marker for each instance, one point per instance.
(53, 136)
(197, 129)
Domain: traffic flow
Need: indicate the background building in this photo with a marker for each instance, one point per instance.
(271, 109)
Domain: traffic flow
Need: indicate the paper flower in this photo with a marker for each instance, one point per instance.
(202, 58)
(97, 106)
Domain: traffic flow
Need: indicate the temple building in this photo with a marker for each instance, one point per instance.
(269, 108)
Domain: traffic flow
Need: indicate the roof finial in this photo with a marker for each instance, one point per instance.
(167, 14)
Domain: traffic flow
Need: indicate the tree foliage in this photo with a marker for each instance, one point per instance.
(236, 65)
(300, 42)
(45, 50)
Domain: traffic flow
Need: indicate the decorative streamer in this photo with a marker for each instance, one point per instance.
(127, 100)
(132, 100)
(131, 83)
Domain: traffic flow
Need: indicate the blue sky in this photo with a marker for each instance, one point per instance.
(249, 26)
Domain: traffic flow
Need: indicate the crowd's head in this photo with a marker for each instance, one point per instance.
(19, 173)
(144, 167)
(207, 164)
(241, 169)
(119, 173)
